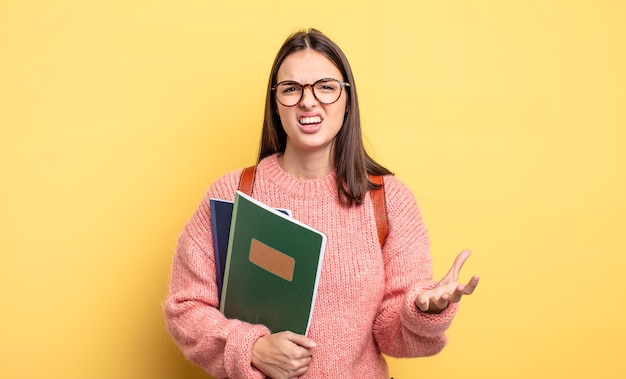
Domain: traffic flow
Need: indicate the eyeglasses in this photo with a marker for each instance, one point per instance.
(326, 91)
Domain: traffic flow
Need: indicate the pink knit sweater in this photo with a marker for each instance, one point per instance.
(365, 297)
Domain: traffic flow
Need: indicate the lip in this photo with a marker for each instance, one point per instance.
(310, 128)
(313, 127)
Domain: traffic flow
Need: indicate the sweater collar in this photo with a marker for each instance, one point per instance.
(271, 171)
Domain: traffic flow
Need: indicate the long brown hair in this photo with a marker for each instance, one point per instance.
(352, 163)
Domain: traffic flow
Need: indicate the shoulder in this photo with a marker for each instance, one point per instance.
(396, 189)
(399, 198)
(225, 186)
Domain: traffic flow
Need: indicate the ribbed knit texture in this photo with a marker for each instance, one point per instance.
(365, 301)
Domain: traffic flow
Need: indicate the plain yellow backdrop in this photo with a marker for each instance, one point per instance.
(506, 118)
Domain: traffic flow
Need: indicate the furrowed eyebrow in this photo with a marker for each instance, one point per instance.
(288, 82)
(302, 84)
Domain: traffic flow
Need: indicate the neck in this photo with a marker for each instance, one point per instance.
(307, 165)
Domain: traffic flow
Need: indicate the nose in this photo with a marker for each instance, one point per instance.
(308, 97)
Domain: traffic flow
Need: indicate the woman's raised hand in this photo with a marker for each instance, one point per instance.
(448, 290)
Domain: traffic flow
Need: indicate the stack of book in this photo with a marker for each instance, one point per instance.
(268, 264)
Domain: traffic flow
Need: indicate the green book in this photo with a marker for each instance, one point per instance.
(273, 264)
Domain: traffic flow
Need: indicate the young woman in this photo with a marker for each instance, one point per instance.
(371, 299)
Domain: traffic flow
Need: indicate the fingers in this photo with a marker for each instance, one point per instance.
(432, 301)
(301, 354)
(283, 354)
(464, 290)
(422, 302)
(459, 261)
(300, 340)
(440, 303)
(453, 274)
(296, 367)
(471, 285)
(457, 294)
(438, 298)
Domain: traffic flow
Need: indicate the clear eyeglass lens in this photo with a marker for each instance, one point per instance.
(326, 91)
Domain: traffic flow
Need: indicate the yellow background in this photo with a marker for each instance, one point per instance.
(506, 118)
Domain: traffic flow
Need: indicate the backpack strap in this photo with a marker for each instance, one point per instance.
(246, 183)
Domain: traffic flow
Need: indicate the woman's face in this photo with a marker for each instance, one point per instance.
(310, 125)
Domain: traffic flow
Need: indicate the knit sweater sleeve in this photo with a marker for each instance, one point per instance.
(400, 329)
(222, 347)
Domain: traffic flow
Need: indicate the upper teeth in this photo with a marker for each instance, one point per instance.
(311, 120)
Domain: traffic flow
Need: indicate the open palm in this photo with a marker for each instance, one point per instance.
(448, 290)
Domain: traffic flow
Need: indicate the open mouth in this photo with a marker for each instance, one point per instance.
(310, 120)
